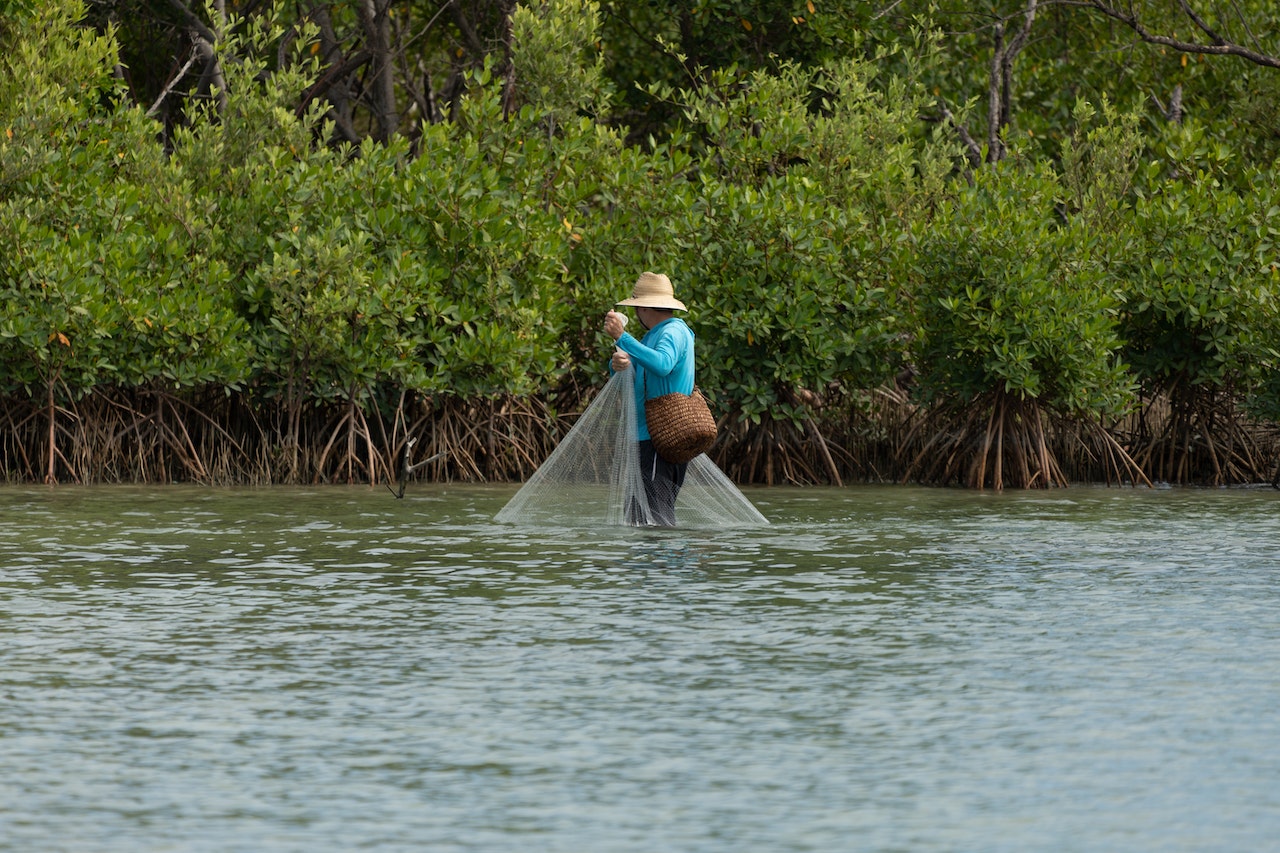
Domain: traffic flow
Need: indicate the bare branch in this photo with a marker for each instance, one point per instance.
(1015, 46)
(1218, 46)
(177, 78)
(193, 21)
(972, 150)
(336, 72)
(1019, 41)
(204, 39)
(994, 100)
(886, 10)
(1200, 22)
(469, 33)
(376, 23)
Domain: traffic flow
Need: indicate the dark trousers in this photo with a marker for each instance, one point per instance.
(662, 482)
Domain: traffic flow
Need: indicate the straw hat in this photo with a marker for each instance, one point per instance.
(653, 290)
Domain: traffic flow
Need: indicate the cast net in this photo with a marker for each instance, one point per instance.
(592, 478)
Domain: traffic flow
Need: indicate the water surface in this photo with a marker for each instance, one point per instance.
(881, 669)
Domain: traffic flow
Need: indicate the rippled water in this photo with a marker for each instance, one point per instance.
(882, 669)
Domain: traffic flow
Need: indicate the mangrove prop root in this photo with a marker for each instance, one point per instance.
(156, 434)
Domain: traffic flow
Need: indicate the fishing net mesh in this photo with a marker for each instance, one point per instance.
(592, 478)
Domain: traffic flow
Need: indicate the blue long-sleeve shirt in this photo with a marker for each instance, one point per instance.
(663, 360)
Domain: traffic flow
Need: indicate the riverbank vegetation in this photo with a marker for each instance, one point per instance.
(1013, 247)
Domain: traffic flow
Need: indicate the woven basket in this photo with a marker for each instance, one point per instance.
(680, 425)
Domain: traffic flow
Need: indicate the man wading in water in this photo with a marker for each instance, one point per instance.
(663, 359)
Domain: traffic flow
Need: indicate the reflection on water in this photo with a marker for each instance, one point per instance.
(880, 669)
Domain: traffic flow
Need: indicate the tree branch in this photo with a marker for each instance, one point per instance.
(1218, 46)
(972, 150)
(995, 109)
(1011, 51)
(469, 34)
(193, 21)
(204, 39)
(177, 78)
(376, 23)
(336, 72)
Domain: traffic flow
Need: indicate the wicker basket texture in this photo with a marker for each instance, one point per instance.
(681, 426)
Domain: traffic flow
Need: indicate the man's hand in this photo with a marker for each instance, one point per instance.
(614, 324)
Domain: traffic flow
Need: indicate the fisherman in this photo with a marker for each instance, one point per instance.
(663, 359)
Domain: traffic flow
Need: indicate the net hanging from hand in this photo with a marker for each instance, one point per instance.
(592, 478)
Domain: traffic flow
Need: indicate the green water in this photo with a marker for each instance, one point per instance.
(882, 669)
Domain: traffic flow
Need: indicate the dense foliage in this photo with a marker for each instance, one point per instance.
(258, 274)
